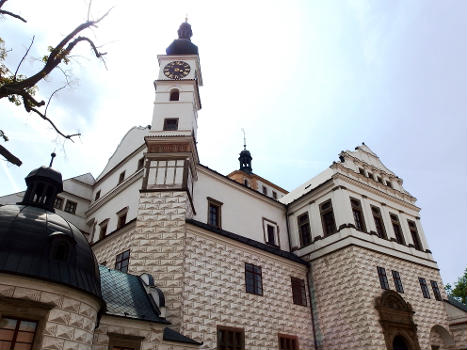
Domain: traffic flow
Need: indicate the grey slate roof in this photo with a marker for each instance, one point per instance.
(125, 296)
(171, 335)
(456, 303)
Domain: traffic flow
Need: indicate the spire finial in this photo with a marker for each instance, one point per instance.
(53, 155)
(186, 18)
(244, 139)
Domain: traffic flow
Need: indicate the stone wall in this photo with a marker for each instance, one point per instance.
(157, 245)
(69, 325)
(459, 333)
(214, 294)
(346, 284)
(107, 250)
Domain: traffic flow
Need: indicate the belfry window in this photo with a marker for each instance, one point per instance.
(415, 238)
(378, 222)
(397, 229)
(174, 95)
(170, 124)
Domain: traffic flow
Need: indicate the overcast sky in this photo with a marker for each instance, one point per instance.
(306, 79)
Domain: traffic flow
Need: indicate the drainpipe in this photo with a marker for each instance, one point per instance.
(317, 337)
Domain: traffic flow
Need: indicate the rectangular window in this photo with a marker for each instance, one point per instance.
(271, 230)
(170, 124)
(229, 338)
(298, 291)
(140, 163)
(397, 229)
(274, 194)
(17, 333)
(383, 279)
(357, 214)
(58, 204)
(288, 342)
(304, 229)
(397, 281)
(426, 293)
(214, 213)
(415, 237)
(327, 218)
(121, 177)
(121, 261)
(121, 220)
(379, 223)
(436, 291)
(70, 207)
(103, 228)
(265, 190)
(98, 195)
(253, 279)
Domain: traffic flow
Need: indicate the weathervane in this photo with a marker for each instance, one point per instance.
(244, 139)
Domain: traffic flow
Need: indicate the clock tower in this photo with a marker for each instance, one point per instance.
(172, 154)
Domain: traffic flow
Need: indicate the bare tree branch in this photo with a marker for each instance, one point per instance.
(9, 156)
(50, 98)
(43, 116)
(24, 56)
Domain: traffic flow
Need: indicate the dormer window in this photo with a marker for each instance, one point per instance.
(174, 95)
(170, 124)
(245, 182)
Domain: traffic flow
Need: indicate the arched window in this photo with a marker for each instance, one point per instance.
(174, 95)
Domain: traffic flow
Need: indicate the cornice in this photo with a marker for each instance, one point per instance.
(372, 167)
(114, 192)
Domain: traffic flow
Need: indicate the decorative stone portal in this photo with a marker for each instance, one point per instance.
(396, 319)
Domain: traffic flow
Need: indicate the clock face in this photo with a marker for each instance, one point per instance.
(176, 70)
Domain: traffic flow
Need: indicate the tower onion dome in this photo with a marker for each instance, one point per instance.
(35, 242)
(245, 161)
(183, 45)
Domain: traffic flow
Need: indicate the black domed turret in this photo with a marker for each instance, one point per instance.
(36, 242)
(44, 184)
(183, 45)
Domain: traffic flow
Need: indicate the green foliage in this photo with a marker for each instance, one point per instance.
(65, 59)
(7, 77)
(459, 291)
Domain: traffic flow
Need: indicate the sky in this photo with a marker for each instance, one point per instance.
(305, 79)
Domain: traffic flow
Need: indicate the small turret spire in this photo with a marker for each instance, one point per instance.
(52, 155)
(245, 157)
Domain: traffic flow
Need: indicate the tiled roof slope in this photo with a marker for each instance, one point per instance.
(126, 297)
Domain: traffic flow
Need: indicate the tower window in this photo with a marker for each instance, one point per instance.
(327, 218)
(170, 124)
(58, 204)
(304, 229)
(98, 195)
(70, 207)
(298, 291)
(17, 333)
(378, 222)
(397, 229)
(122, 260)
(424, 287)
(415, 238)
(358, 214)
(397, 281)
(174, 95)
(214, 213)
(253, 279)
(383, 279)
(436, 291)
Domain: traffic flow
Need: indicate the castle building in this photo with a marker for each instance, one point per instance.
(162, 252)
